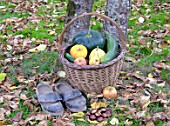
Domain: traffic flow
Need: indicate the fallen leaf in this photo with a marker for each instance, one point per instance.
(61, 18)
(2, 76)
(59, 122)
(78, 114)
(70, 124)
(136, 74)
(141, 20)
(131, 59)
(146, 104)
(2, 116)
(26, 41)
(114, 121)
(141, 114)
(162, 44)
(61, 74)
(1, 100)
(144, 100)
(127, 122)
(17, 117)
(150, 123)
(13, 87)
(93, 122)
(3, 123)
(81, 119)
(168, 123)
(97, 105)
(9, 47)
(142, 40)
(52, 32)
(161, 65)
(43, 123)
(13, 104)
(40, 117)
(161, 84)
(23, 96)
(150, 75)
(39, 48)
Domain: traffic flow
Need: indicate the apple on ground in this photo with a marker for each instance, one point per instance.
(80, 61)
(109, 92)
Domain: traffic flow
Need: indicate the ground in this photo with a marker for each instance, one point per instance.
(143, 85)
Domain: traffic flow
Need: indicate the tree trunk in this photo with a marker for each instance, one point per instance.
(74, 8)
(119, 11)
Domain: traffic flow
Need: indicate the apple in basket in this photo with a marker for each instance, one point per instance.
(80, 61)
(109, 92)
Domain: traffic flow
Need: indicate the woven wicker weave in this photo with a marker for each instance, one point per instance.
(91, 78)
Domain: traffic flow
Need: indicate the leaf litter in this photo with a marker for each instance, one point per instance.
(138, 99)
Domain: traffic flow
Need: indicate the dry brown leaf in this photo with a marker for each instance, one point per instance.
(163, 43)
(8, 97)
(61, 18)
(161, 65)
(17, 117)
(26, 42)
(28, 103)
(2, 116)
(141, 114)
(136, 74)
(61, 4)
(40, 116)
(131, 59)
(78, 114)
(43, 123)
(150, 123)
(23, 96)
(127, 122)
(59, 122)
(159, 115)
(3, 123)
(114, 121)
(150, 75)
(167, 123)
(142, 40)
(97, 105)
(1, 99)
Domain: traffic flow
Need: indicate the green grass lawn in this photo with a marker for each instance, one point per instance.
(23, 28)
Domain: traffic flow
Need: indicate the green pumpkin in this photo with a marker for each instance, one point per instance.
(91, 39)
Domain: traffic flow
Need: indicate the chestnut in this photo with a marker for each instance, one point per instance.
(97, 114)
(93, 111)
(100, 119)
(108, 113)
(104, 115)
(105, 119)
(103, 109)
(92, 117)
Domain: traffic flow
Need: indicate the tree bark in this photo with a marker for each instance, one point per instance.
(74, 8)
(119, 11)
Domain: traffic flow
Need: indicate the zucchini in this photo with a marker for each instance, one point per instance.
(112, 48)
(69, 57)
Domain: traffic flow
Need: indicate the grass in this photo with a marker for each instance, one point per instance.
(23, 108)
(47, 61)
(39, 62)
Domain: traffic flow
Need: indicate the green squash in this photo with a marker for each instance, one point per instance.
(90, 38)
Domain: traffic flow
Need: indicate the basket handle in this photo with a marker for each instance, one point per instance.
(123, 40)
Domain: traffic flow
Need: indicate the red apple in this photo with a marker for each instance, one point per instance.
(109, 92)
(80, 61)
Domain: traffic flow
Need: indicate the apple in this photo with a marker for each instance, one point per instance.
(80, 61)
(109, 92)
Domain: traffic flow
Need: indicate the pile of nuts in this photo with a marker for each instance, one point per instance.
(100, 114)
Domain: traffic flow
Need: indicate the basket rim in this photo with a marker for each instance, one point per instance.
(90, 67)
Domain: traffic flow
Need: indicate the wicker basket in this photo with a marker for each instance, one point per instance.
(93, 78)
